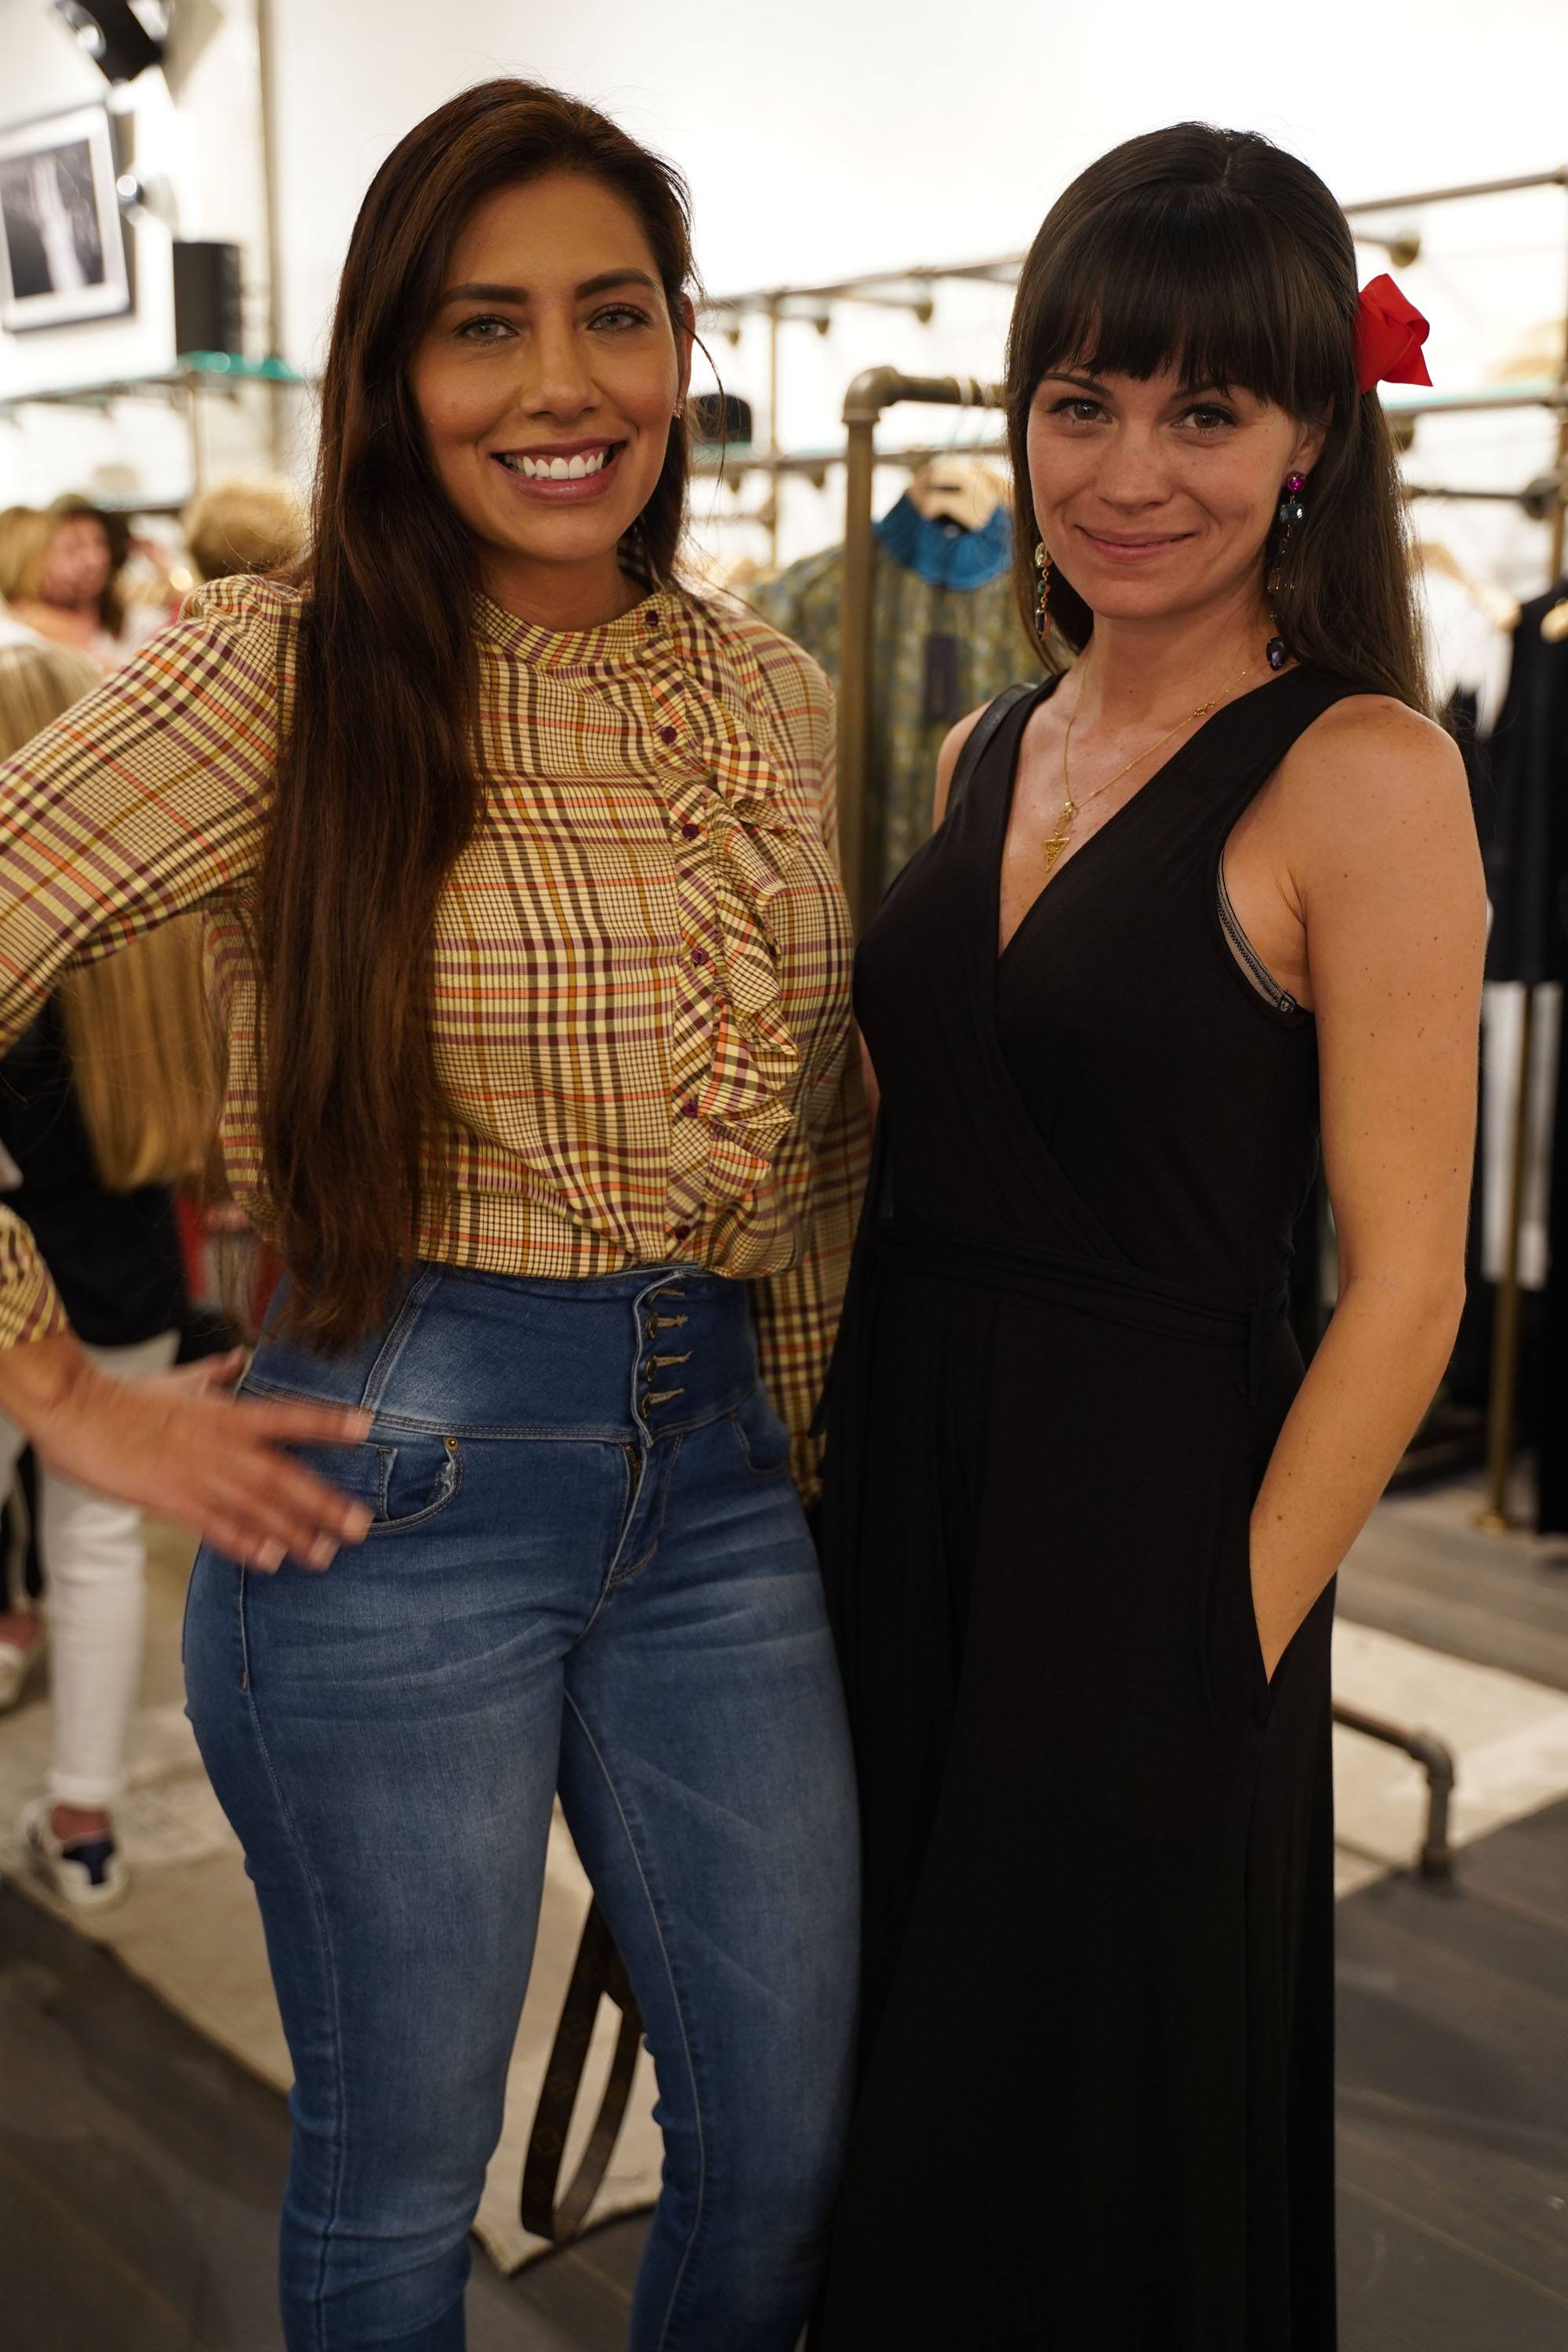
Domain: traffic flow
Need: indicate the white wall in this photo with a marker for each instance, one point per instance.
(192, 131)
(828, 135)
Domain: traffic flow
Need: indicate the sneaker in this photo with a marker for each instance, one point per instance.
(89, 1873)
(18, 1666)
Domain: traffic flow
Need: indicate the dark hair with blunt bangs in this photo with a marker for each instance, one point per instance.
(377, 785)
(1216, 254)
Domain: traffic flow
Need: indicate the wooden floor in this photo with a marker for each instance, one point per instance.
(139, 2171)
(1420, 1569)
(1453, 2063)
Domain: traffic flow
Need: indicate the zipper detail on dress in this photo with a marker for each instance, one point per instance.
(1252, 963)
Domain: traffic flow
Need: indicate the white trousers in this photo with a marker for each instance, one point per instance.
(94, 1571)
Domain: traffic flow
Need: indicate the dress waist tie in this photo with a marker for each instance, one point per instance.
(1103, 1288)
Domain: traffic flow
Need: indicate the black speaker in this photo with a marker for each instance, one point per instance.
(113, 35)
(209, 311)
(720, 416)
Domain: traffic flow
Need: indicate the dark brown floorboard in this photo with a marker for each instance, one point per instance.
(1474, 1596)
(1453, 2072)
(139, 2170)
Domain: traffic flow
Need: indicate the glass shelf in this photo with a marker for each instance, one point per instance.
(191, 371)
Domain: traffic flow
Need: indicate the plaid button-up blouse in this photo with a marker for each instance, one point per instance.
(642, 961)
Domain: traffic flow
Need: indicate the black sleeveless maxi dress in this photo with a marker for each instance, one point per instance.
(1096, 2111)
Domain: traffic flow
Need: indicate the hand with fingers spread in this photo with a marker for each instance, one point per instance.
(178, 1444)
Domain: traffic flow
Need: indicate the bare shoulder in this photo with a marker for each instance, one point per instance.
(1372, 781)
(1375, 753)
(947, 759)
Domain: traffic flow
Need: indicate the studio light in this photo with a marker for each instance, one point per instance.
(113, 35)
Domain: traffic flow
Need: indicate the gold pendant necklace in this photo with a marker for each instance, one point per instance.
(1055, 845)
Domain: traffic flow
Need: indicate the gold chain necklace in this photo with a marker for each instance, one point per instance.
(1053, 846)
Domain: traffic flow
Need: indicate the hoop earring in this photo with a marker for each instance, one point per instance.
(1291, 512)
(1042, 592)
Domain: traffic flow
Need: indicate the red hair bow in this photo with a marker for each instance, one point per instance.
(1389, 333)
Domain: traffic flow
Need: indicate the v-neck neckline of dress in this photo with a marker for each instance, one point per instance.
(1006, 800)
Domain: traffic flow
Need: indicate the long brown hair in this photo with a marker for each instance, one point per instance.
(377, 786)
(1217, 253)
(137, 1024)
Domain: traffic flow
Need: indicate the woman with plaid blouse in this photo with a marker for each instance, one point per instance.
(517, 871)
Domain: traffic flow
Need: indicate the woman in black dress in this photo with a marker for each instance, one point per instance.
(1213, 887)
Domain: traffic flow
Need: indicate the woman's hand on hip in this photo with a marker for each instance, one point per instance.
(179, 1444)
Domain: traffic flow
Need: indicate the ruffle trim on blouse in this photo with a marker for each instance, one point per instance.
(731, 783)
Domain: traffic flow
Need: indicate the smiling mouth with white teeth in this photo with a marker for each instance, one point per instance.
(579, 467)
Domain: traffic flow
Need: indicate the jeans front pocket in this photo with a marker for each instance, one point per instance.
(760, 1435)
(419, 1477)
(401, 1485)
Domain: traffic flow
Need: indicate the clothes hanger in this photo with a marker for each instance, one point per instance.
(1499, 608)
(956, 488)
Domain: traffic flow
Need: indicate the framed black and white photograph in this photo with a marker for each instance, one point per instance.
(62, 243)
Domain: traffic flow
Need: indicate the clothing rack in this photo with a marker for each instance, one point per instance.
(910, 289)
(879, 389)
(868, 397)
(1503, 1404)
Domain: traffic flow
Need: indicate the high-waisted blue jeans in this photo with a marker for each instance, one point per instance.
(588, 1570)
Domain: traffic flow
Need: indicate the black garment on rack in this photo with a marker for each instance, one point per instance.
(1098, 2107)
(1526, 845)
(1528, 874)
(115, 1256)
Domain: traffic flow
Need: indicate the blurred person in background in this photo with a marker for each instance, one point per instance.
(249, 524)
(58, 575)
(23, 536)
(106, 1101)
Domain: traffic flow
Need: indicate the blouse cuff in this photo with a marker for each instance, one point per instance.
(30, 1306)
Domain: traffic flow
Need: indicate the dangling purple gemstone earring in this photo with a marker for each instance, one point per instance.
(1291, 512)
(1042, 592)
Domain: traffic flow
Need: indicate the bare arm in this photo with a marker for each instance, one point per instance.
(1385, 873)
(178, 1444)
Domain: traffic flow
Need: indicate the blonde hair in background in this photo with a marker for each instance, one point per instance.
(25, 536)
(252, 525)
(37, 683)
(138, 1024)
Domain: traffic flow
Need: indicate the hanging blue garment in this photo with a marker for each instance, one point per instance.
(942, 552)
(945, 637)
